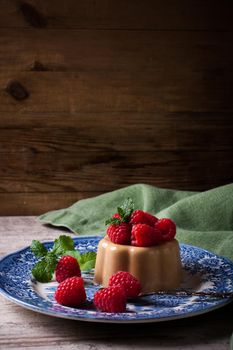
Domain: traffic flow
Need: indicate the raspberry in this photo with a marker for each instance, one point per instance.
(166, 228)
(67, 267)
(119, 233)
(144, 235)
(116, 216)
(130, 283)
(151, 219)
(142, 217)
(110, 299)
(71, 292)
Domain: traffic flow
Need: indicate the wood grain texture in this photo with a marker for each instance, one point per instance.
(120, 14)
(21, 328)
(89, 171)
(155, 71)
(96, 95)
(95, 92)
(138, 52)
(39, 202)
(126, 131)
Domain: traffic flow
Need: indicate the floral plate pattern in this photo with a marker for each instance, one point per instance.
(202, 271)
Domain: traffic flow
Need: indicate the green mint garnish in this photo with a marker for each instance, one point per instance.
(38, 249)
(124, 211)
(44, 269)
(113, 221)
(74, 253)
(87, 261)
(64, 245)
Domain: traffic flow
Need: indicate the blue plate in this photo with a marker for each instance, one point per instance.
(202, 271)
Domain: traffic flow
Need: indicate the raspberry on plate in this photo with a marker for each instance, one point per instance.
(130, 283)
(119, 233)
(67, 267)
(71, 292)
(142, 217)
(166, 228)
(110, 299)
(144, 235)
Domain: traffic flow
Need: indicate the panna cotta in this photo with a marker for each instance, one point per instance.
(157, 267)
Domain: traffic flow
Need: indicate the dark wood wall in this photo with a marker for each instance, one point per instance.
(100, 94)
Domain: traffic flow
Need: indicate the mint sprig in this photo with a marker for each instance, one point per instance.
(63, 245)
(124, 211)
(44, 269)
(38, 249)
(113, 221)
(87, 261)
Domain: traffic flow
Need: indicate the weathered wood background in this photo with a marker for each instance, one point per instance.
(99, 94)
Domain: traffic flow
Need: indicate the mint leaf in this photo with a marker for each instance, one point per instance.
(113, 221)
(124, 211)
(121, 212)
(74, 253)
(87, 261)
(127, 208)
(38, 249)
(62, 244)
(44, 269)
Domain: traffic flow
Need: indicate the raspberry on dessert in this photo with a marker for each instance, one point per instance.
(166, 228)
(142, 217)
(71, 292)
(67, 267)
(130, 283)
(144, 235)
(116, 216)
(119, 233)
(151, 219)
(110, 299)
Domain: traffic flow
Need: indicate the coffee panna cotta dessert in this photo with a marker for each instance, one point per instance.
(144, 246)
(138, 255)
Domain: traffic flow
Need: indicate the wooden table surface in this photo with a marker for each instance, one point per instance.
(21, 328)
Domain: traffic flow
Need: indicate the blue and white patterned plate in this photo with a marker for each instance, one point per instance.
(202, 271)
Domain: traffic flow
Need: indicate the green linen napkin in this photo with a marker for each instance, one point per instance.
(203, 219)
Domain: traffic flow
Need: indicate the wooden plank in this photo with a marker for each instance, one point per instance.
(109, 71)
(197, 120)
(121, 14)
(96, 92)
(167, 54)
(39, 203)
(105, 171)
(115, 132)
(171, 71)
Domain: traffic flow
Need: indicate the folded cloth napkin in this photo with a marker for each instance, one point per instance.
(203, 219)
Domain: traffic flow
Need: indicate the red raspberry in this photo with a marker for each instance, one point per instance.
(130, 283)
(144, 235)
(119, 233)
(111, 299)
(71, 292)
(67, 267)
(166, 228)
(116, 216)
(142, 217)
(151, 219)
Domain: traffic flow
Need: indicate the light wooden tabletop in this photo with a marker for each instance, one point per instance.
(24, 329)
